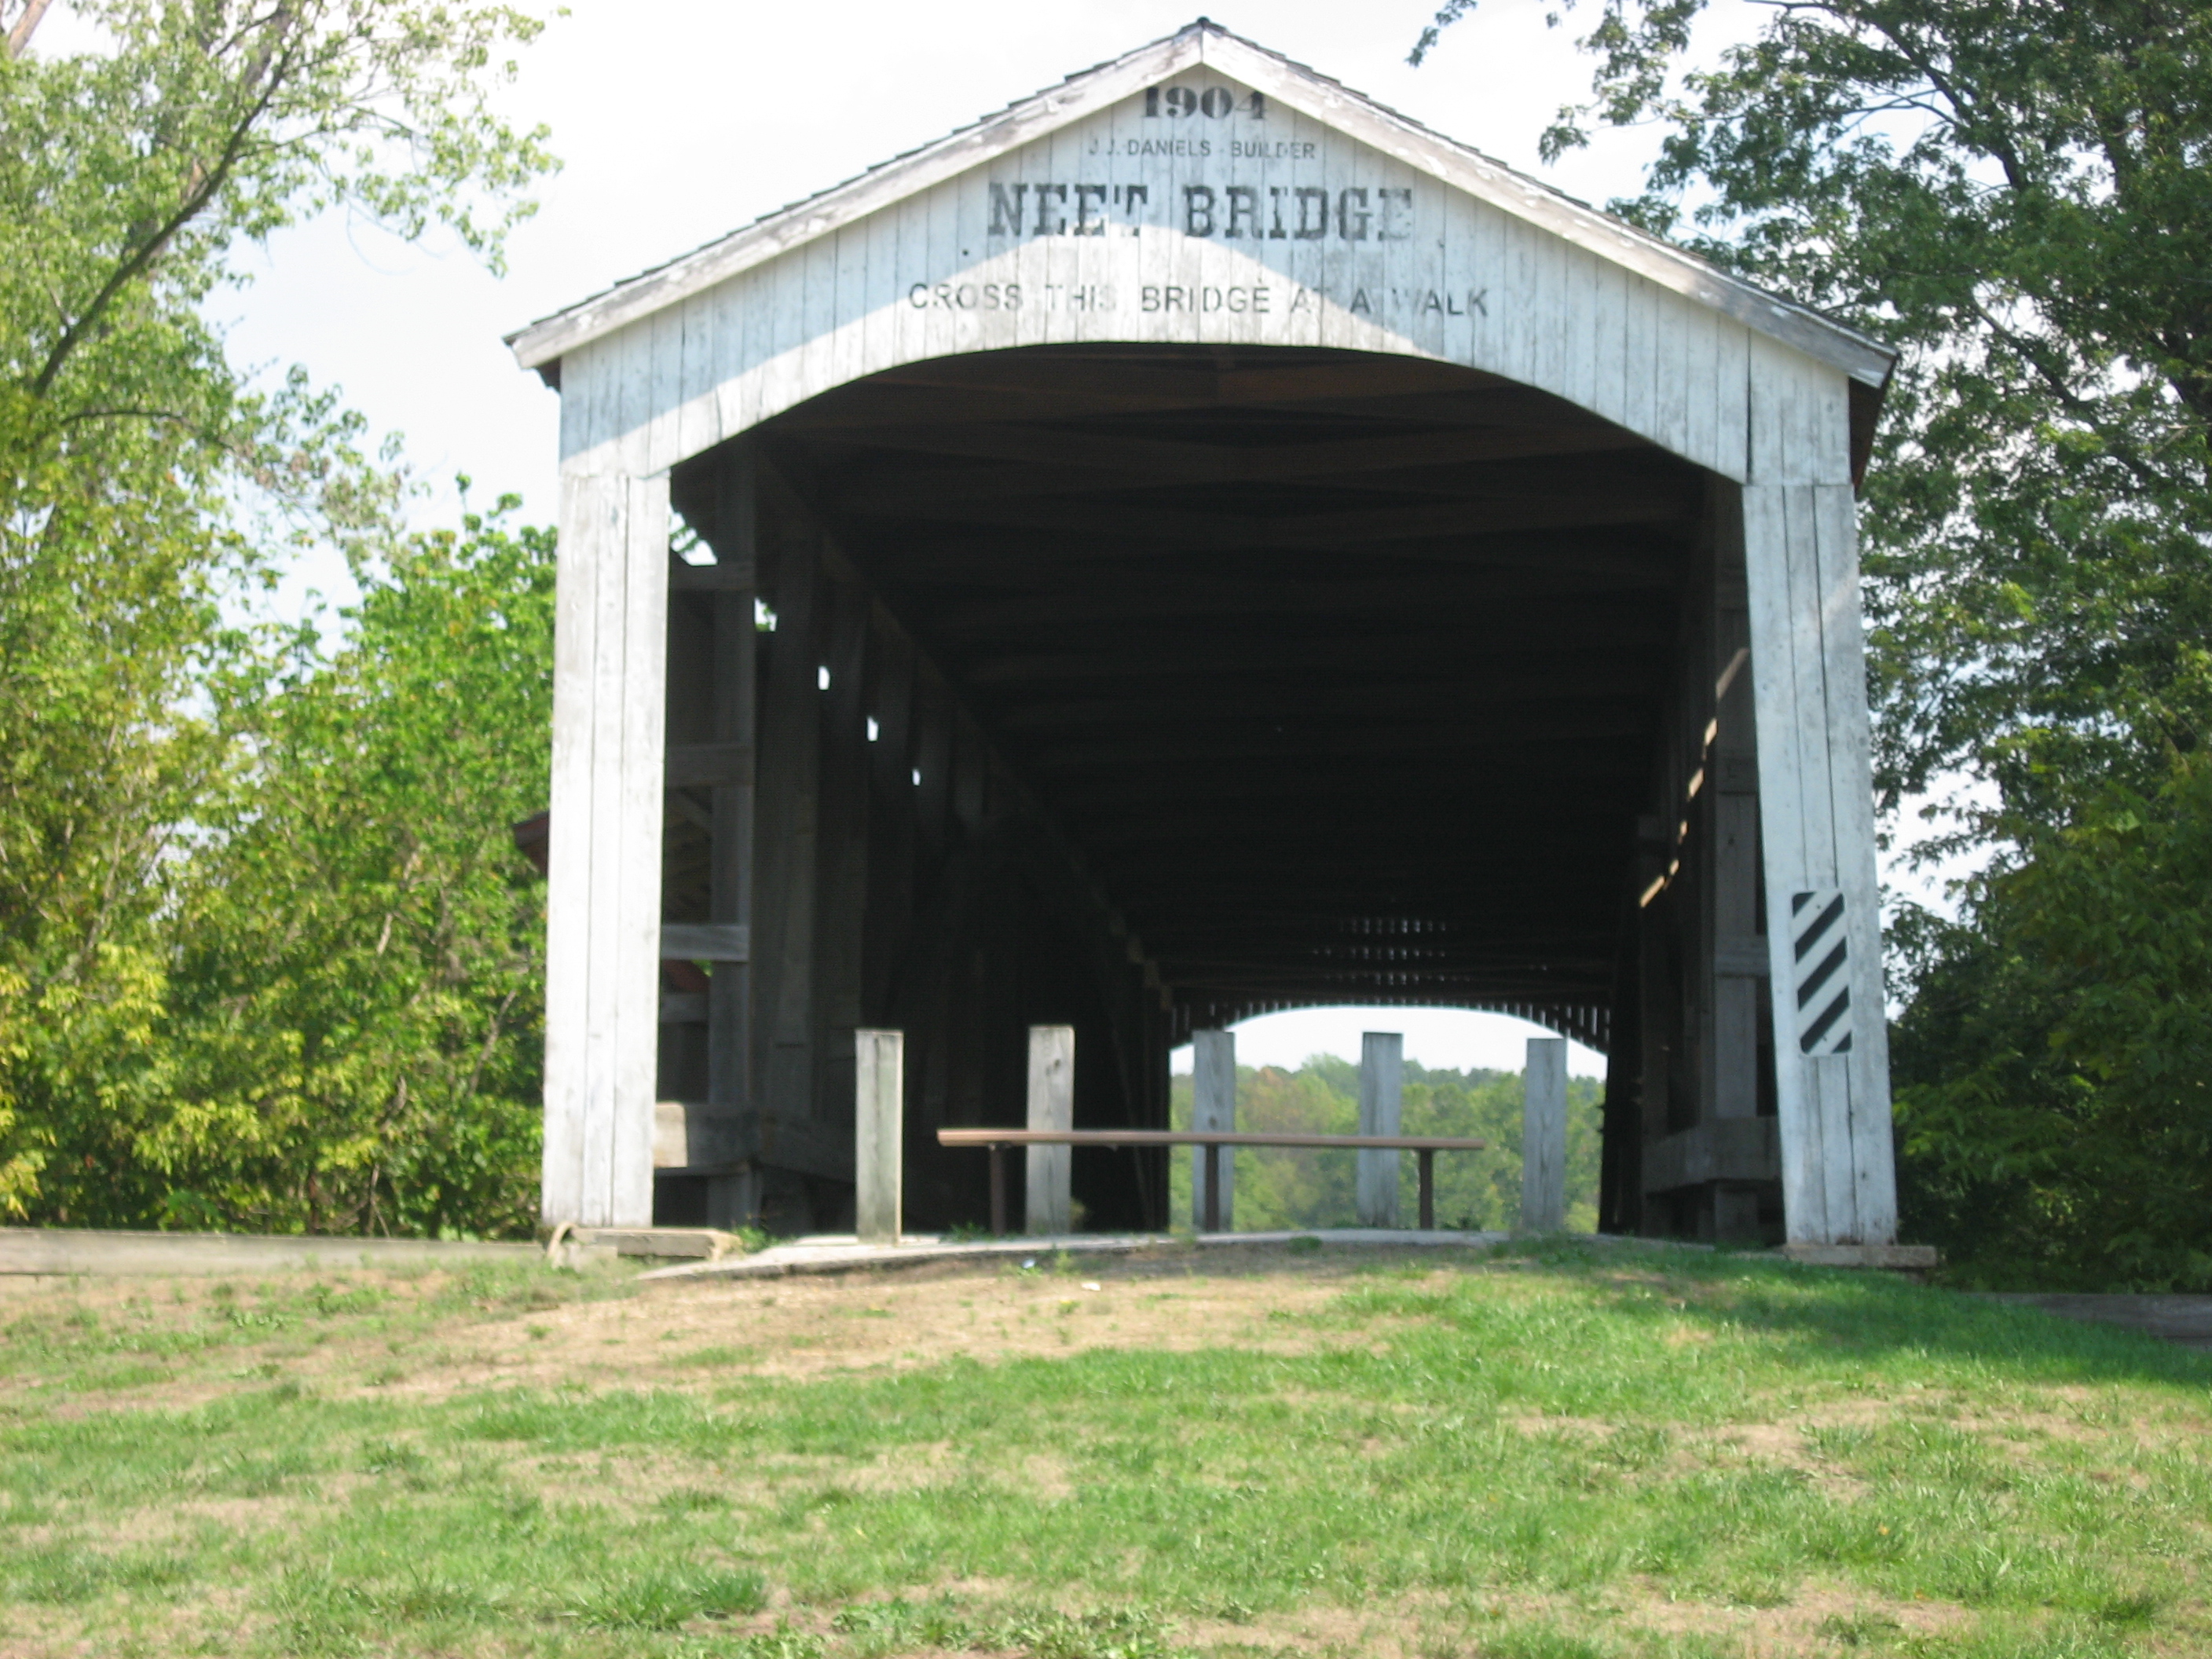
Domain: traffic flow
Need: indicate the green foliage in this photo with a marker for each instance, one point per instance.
(354, 1015)
(332, 1020)
(1283, 1187)
(145, 485)
(2055, 1065)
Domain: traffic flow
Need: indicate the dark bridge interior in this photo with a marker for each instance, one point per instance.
(1318, 677)
(1343, 670)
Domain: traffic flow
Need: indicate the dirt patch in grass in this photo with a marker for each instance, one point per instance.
(1401, 1634)
(396, 1334)
(1809, 1619)
(689, 1335)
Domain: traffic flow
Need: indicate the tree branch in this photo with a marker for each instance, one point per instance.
(19, 37)
(205, 188)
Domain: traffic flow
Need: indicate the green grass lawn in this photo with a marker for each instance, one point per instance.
(1538, 1453)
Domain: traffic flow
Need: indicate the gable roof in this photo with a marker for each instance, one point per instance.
(1865, 361)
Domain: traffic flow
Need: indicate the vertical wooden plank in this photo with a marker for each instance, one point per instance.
(1732, 781)
(604, 936)
(878, 1134)
(1213, 1106)
(585, 523)
(1674, 324)
(1817, 812)
(1638, 353)
(892, 814)
(604, 877)
(654, 394)
(1609, 342)
(1527, 279)
(775, 332)
(878, 326)
(1051, 1106)
(1735, 993)
(1874, 1174)
(1783, 832)
(1544, 1136)
(575, 415)
(841, 902)
(739, 324)
(1658, 1014)
(1804, 1187)
(731, 1200)
(645, 710)
(1731, 400)
(697, 424)
(1693, 327)
(787, 813)
(1563, 326)
(1382, 1105)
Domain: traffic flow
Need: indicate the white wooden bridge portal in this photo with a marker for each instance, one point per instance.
(1193, 543)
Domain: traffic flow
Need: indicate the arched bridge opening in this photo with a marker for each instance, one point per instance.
(1141, 689)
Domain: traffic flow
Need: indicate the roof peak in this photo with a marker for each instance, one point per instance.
(1296, 86)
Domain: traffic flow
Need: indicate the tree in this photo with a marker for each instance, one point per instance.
(2057, 1116)
(143, 480)
(355, 971)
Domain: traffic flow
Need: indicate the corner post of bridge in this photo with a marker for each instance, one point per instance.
(1214, 1108)
(1381, 1110)
(1051, 1106)
(878, 1134)
(1544, 1137)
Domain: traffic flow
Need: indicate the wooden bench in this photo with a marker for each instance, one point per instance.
(998, 1140)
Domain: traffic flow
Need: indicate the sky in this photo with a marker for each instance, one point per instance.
(678, 121)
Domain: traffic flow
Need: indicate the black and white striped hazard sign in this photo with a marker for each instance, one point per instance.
(1823, 968)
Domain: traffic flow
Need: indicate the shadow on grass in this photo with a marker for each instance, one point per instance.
(1852, 1313)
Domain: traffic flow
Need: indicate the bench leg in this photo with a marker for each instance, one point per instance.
(1212, 1172)
(1428, 1157)
(997, 1192)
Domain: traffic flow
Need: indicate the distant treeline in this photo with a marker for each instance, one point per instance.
(1285, 1187)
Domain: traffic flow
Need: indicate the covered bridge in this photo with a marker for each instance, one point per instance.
(1199, 542)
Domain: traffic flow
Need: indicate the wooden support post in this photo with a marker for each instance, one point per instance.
(602, 925)
(1544, 1137)
(842, 892)
(1428, 1187)
(788, 814)
(1051, 1106)
(733, 1200)
(1213, 1106)
(878, 1134)
(1382, 1103)
(1737, 1061)
(1816, 811)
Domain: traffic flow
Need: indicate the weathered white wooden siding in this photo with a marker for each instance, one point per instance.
(1809, 677)
(603, 924)
(1431, 273)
